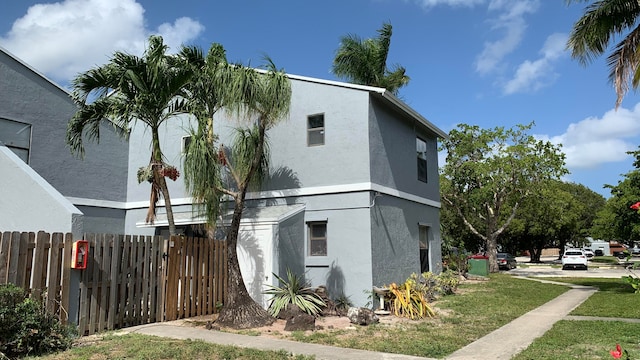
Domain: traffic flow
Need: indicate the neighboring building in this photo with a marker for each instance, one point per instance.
(353, 199)
(34, 113)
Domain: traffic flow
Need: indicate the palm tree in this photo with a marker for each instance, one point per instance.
(364, 62)
(212, 171)
(129, 89)
(593, 32)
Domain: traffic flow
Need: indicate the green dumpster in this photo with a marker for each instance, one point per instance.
(479, 265)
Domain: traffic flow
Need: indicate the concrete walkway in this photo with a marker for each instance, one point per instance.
(502, 343)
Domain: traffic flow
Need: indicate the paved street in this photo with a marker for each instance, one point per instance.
(546, 270)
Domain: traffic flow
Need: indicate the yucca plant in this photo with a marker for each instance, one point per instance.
(407, 300)
(295, 290)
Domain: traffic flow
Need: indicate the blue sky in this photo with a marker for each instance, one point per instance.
(483, 62)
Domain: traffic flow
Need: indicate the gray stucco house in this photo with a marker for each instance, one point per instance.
(352, 202)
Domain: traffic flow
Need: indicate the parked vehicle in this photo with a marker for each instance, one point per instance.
(620, 254)
(574, 259)
(635, 251)
(589, 253)
(506, 261)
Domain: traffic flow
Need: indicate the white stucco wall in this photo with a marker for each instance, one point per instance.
(29, 203)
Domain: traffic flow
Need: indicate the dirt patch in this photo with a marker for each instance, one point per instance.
(276, 330)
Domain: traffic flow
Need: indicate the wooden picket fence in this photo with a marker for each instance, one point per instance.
(129, 280)
(37, 264)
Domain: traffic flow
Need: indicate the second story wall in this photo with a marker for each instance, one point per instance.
(394, 159)
(336, 154)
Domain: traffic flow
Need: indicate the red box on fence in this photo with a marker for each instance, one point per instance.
(79, 254)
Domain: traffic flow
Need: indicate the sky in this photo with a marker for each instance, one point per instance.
(479, 62)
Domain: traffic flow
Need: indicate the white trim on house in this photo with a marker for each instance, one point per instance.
(307, 191)
(269, 215)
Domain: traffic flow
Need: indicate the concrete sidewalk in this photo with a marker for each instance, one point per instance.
(262, 343)
(502, 343)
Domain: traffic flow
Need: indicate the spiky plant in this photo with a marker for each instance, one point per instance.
(295, 290)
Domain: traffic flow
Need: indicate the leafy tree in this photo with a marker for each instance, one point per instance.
(548, 216)
(214, 171)
(455, 234)
(364, 62)
(616, 221)
(490, 171)
(591, 202)
(592, 34)
(126, 90)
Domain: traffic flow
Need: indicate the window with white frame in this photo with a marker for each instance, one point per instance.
(317, 244)
(17, 137)
(315, 130)
(421, 148)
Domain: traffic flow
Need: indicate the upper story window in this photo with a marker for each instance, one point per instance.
(421, 148)
(317, 238)
(17, 137)
(315, 130)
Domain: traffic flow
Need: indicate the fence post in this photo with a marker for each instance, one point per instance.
(74, 281)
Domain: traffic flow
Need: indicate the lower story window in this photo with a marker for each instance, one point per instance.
(318, 238)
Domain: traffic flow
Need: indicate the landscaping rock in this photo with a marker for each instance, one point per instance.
(288, 312)
(362, 316)
(300, 322)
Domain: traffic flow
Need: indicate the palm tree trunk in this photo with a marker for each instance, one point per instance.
(240, 311)
(160, 180)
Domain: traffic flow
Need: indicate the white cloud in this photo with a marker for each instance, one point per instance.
(64, 38)
(594, 141)
(532, 75)
(454, 3)
(511, 21)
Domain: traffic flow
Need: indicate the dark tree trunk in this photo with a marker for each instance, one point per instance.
(534, 254)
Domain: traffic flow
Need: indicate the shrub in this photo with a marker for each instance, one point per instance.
(456, 263)
(26, 328)
(295, 290)
(408, 299)
(434, 286)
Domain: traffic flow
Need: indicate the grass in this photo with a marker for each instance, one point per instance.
(615, 298)
(478, 309)
(136, 346)
(571, 339)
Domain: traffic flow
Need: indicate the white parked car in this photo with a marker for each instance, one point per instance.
(574, 259)
(589, 253)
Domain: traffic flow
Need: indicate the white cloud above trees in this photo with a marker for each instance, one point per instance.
(64, 38)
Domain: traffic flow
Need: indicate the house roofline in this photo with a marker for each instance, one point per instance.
(382, 93)
(33, 70)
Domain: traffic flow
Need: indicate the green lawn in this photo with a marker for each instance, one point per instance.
(136, 346)
(581, 339)
(477, 309)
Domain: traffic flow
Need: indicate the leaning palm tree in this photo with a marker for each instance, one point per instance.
(593, 32)
(129, 89)
(364, 62)
(213, 171)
